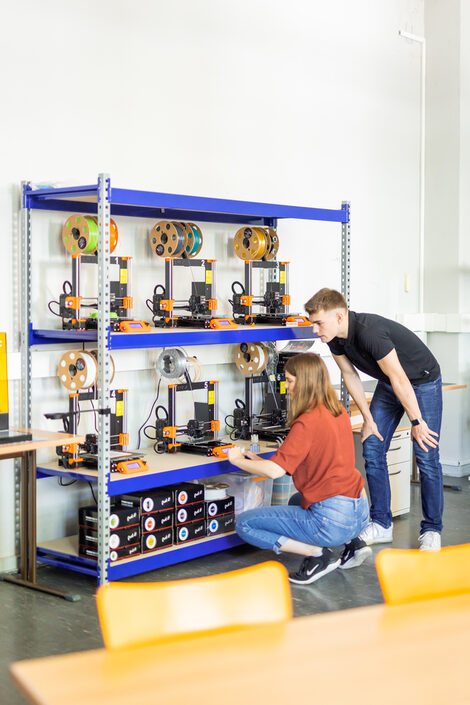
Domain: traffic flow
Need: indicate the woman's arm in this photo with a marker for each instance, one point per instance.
(245, 460)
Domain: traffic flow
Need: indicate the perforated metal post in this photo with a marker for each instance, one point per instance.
(25, 350)
(104, 308)
(345, 278)
(25, 309)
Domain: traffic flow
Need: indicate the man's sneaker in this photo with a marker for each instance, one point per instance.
(355, 552)
(430, 541)
(375, 533)
(314, 567)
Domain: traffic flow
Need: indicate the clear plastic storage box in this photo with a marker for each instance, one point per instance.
(250, 492)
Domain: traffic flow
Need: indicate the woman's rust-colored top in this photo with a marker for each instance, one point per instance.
(319, 454)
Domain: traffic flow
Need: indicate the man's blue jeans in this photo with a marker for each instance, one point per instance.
(331, 522)
(387, 411)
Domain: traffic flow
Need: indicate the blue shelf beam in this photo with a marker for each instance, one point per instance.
(173, 337)
(150, 561)
(137, 483)
(185, 552)
(149, 204)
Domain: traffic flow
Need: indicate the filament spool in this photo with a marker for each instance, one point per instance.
(273, 240)
(215, 490)
(167, 239)
(250, 243)
(251, 358)
(194, 240)
(185, 230)
(173, 364)
(273, 357)
(79, 369)
(80, 234)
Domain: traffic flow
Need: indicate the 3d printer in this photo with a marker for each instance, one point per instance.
(199, 435)
(258, 248)
(77, 371)
(80, 239)
(261, 364)
(179, 243)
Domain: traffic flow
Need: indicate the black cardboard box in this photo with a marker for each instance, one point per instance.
(216, 507)
(157, 539)
(119, 517)
(221, 524)
(114, 555)
(157, 520)
(190, 512)
(187, 493)
(121, 537)
(149, 500)
(190, 531)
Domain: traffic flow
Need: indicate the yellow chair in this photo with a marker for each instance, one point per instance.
(409, 575)
(137, 614)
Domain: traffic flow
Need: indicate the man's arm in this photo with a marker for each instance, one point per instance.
(356, 390)
(401, 385)
(250, 462)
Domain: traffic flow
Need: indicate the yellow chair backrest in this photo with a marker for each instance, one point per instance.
(409, 575)
(135, 614)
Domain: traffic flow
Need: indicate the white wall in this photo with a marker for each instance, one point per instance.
(447, 249)
(308, 103)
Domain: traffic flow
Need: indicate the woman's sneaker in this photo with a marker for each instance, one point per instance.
(430, 541)
(354, 554)
(375, 533)
(314, 567)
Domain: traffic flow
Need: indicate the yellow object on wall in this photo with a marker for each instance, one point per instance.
(3, 374)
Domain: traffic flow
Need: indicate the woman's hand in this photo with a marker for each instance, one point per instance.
(235, 454)
(250, 456)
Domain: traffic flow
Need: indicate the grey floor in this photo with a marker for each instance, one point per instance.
(33, 624)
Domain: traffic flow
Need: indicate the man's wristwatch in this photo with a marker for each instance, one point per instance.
(416, 422)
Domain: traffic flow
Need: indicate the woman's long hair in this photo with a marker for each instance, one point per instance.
(312, 386)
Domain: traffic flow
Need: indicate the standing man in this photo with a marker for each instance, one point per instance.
(409, 379)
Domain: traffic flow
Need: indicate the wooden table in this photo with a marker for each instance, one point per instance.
(415, 653)
(26, 450)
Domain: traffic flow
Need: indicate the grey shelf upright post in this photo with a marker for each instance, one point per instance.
(25, 310)
(104, 307)
(25, 355)
(345, 279)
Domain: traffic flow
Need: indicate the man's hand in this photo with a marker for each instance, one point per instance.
(423, 436)
(369, 428)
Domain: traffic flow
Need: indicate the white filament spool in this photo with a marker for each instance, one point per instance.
(79, 369)
(215, 490)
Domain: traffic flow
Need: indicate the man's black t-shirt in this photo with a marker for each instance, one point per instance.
(371, 337)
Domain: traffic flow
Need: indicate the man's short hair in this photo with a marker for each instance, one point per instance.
(325, 300)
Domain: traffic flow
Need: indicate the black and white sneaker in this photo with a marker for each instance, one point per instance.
(355, 552)
(314, 567)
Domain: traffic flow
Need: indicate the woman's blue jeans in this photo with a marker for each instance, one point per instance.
(387, 411)
(332, 522)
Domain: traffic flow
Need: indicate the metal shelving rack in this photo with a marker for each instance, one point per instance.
(105, 201)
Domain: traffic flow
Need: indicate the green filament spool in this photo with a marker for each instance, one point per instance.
(80, 234)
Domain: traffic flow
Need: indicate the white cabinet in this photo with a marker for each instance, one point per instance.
(399, 468)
